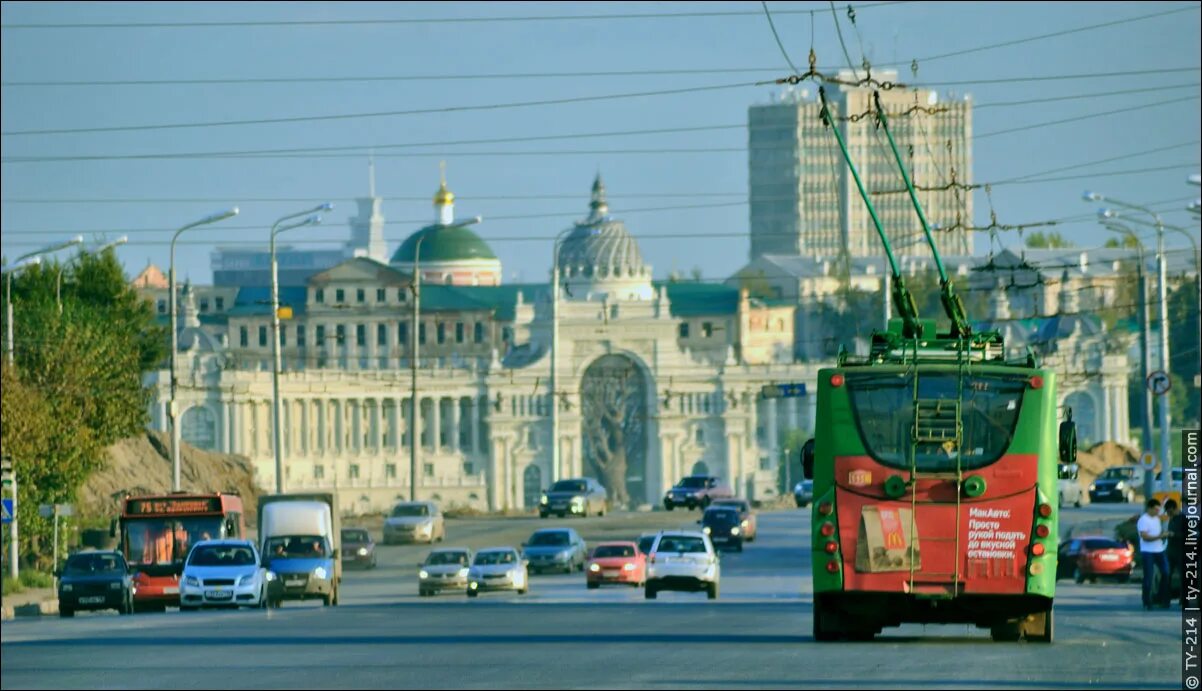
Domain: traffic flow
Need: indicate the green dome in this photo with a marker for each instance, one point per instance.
(444, 244)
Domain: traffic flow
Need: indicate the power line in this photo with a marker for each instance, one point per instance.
(413, 20)
(1061, 77)
(779, 44)
(1079, 118)
(1077, 97)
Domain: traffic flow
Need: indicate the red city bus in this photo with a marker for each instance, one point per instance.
(158, 530)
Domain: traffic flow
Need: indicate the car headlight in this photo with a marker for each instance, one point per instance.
(473, 585)
(628, 566)
(543, 499)
(463, 572)
(246, 580)
(1093, 486)
(1120, 484)
(594, 567)
(320, 573)
(271, 575)
(363, 551)
(192, 581)
(577, 500)
(734, 530)
(67, 587)
(744, 524)
(423, 574)
(706, 529)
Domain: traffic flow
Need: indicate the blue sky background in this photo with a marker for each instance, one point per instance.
(558, 184)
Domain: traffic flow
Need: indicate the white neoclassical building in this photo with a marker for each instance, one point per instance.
(689, 359)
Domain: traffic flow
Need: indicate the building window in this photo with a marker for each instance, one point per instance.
(283, 336)
(219, 304)
(243, 336)
(428, 469)
(390, 471)
(400, 294)
(340, 334)
(319, 335)
(402, 332)
(507, 334)
(442, 333)
(531, 438)
(421, 333)
(459, 332)
(380, 295)
(300, 336)
(319, 295)
(204, 304)
(262, 336)
(361, 295)
(707, 329)
(699, 436)
(353, 471)
(319, 472)
(340, 296)
(684, 330)
(468, 468)
(162, 307)
(765, 463)
(382, 334)
(361, 335)
(479, 332)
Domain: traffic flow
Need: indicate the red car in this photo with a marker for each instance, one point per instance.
(616, 562)
(1094, 557)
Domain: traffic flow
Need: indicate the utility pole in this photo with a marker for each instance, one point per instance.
(415, 410)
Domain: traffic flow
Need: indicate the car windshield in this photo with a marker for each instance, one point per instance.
(681, 543)
(605, 551)
(645, 544)
(549, 539)
(94, 563)
(355, 536)
(444, 558)
(734, 504)
(889, 407)
(692, 482)
(297, 547)
(1102, 544)
(410, 510)
(222, 555)
(154, 541)
(1118, 474)
(724, 517)
(570, 486)
(490, 558)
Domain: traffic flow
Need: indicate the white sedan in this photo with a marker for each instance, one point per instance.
(498, 568)
(223, 573)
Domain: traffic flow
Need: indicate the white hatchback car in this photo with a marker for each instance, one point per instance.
(683, 560)
(223, 573)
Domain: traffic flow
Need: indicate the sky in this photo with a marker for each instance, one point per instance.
(46, 201)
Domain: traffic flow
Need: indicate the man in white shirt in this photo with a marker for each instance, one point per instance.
(1152, 554)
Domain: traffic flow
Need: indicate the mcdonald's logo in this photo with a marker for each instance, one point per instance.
(859, 478)
(895, 541)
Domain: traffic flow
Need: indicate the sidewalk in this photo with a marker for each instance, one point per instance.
(32, 602)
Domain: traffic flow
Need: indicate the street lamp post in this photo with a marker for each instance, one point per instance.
(277, 427)
(173, 408)
(27, 258)
(415, 410)
(1112, 214)
(58, 279)
(1162, 298)
(555, 470)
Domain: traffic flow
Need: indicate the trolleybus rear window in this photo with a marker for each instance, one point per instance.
(885, 405)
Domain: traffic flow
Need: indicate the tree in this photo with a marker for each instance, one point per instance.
(1128, 242)
(1050, 240)
(1183, 353)
(613, 420)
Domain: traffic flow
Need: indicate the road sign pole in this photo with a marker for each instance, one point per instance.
(13, 569)
(54, 561)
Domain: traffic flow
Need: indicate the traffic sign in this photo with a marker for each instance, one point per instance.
(1159, 382)
(791, 390)
(8, 511)
(1147, 461)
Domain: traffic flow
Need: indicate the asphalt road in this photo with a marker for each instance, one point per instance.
(561, 635)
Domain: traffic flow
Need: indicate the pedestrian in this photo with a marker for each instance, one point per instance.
(1152, 554)
(1176, 551)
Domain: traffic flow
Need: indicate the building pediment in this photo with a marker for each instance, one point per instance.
(360, 270)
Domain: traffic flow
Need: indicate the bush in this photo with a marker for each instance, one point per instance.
(36, 579)
(12, 585)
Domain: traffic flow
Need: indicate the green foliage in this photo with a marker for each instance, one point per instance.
(1051, 240)
(36, 579)
(1183, 353)
(12, 586)
(1128, 242)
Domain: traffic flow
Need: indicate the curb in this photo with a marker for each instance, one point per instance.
(45, 608)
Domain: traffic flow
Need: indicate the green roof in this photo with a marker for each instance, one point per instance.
(444, 243)
(695, 299)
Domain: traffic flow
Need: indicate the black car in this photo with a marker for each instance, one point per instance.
(722, 524)
(358, 549)
(95, 580)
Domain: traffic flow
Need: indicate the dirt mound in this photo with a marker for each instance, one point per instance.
(142, 465)
(1101, 456)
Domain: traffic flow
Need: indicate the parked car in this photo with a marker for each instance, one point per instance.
(646, 540)
(803, 493)
(358, 549)
(1069, 488)
(1120, 483)
(578, 497)
(683, 560)
(444, 569)
(1093, 557)
(616, 562)
(695, 491)
(223, 573)
(748, 523)
(555, 549)
(497, 568)
(723, 526)
(415, 521)
(95, 580)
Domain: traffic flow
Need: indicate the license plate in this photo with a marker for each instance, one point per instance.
(612, 574)
(219, 594)
(171, 590)
(678, 560)
(94, 600)
(294, 584)
(1109, 557)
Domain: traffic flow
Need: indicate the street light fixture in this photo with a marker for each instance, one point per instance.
(173, 409)
(278, 431)
(18, 264)
(58, 279)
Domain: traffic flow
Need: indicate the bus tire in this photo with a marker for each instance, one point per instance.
(824, 632)
(1005, 632)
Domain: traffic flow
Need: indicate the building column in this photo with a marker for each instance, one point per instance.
(1105, 428)
(381, 428)
(371, 347)
(455, 422)
(473, 410)
(496, 479)
(436, 424)
(226, 443)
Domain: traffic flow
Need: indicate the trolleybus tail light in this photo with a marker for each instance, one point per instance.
(1036, 569)
(1045, 510)
(832, 566)
(836, 380)
(1037, 549)
(1042, 530)
(825, 508)
(827, 529)
(1036, 381)
(831, 547)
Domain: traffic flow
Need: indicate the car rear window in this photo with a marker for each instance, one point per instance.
(681, 543)
(645, 544)
(354, 536)
(93, 563)
(605, 551)
(1103, 544)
